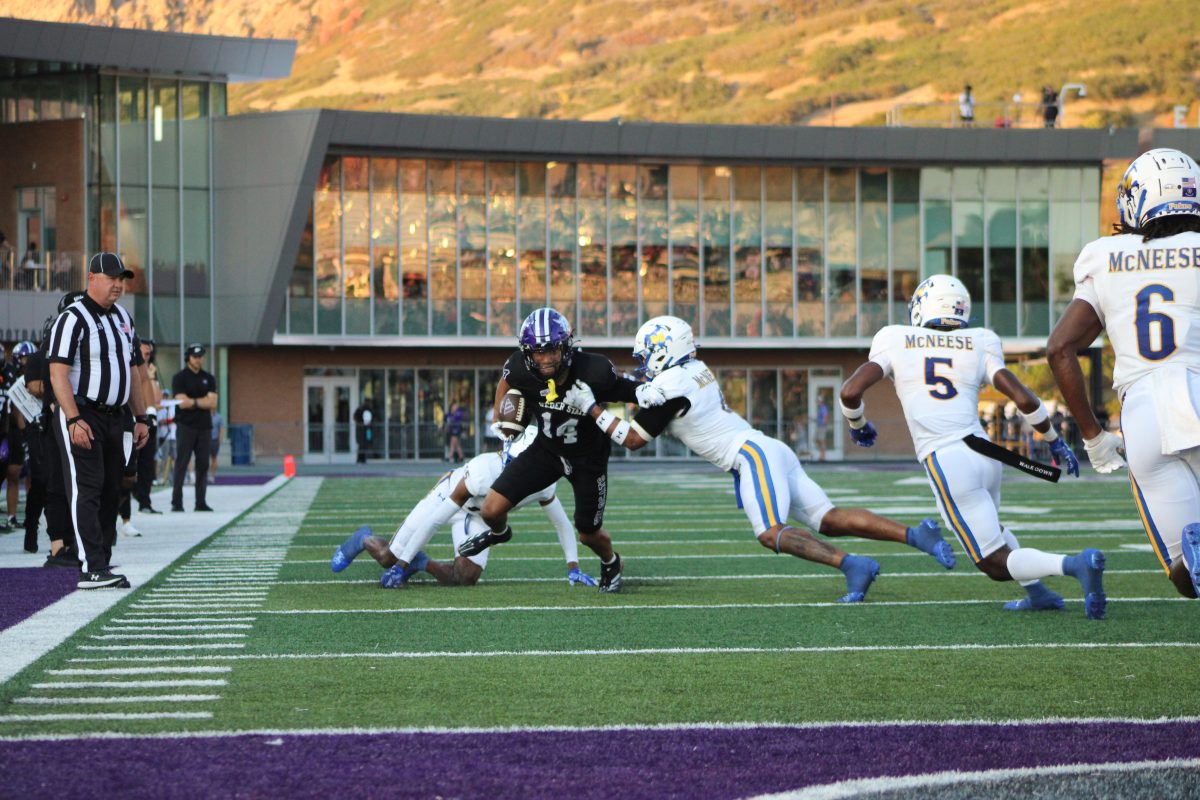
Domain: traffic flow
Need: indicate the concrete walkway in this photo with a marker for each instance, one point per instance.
(164, 538)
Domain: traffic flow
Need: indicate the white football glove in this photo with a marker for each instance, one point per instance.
(580, 395)
(1104, 452)
(649, 395)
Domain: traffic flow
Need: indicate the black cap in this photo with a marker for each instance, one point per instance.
(196, 349)
(110, 264)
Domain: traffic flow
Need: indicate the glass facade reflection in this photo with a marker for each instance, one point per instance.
(447, 249)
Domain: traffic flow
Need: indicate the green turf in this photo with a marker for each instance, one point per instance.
(710, 627)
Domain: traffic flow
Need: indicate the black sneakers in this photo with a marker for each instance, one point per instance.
(610, 574)
(480, 542)
(63, 558)
(104, 579)
(203, 508)
(148, 510)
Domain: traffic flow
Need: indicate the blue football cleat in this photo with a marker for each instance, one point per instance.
(927, 537)
(397, 576)
(1088, 569)
(577, 577)
(1047, 602)
(349, 549)
(860, 573)
(1191, 553)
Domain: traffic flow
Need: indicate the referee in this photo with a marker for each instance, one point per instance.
(93, 358)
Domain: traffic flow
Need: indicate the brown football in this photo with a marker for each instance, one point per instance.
(514, 414)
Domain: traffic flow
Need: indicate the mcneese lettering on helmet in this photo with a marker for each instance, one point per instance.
(945, 340)
(1158, 258)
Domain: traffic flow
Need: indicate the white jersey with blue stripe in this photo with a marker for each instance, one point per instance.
(708, 426)
(1147, 294)
(938, 376)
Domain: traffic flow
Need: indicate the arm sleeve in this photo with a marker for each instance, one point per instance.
(607, 385)
(1085, 285)
(64, 339)
(993, 356)
(650, 422)
(879, 352)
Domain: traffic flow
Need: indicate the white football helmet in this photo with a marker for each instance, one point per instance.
(1159, 183)
(940, 301)
(661, 343)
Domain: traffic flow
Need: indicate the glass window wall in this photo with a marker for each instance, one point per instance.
(742, 252)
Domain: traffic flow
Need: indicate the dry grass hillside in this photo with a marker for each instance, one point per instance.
(775, 62)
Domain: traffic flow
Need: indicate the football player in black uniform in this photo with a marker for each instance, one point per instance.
(568, 443)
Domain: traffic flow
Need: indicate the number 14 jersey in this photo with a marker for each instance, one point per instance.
(938, 376)
(1147, 294)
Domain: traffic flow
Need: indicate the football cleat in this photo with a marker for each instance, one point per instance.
(860, 573)
(610, 574)
(577, 577)
(348, 550)
(927, 537)
(397, 576)
(482, 541)
(1088, 569)
(1045, 600)
(1191, 553)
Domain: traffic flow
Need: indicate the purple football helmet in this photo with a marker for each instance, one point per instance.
(546, 330)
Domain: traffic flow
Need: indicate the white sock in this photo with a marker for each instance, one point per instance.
(1028, 564)
(1009, 539)
(565, 530)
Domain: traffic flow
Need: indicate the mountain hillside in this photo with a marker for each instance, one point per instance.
(777, 62)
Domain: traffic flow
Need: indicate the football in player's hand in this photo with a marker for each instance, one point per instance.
(513, 415)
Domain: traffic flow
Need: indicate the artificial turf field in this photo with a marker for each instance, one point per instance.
(721, 670)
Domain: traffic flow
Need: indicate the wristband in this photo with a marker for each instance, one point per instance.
(141, 419)
(619, 433)
(1037, 415)
(73, 420)
(604, 420)
(1050, 436)
(856, 418)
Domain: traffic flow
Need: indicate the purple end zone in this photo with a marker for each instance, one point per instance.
(585, 764)
(28, 590)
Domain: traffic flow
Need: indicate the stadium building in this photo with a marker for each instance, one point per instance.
(333, 258)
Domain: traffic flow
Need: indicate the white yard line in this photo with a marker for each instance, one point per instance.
(105, 716)
(668, 727)
(159, 684)
(669, 651)
(140, 671)
(117, 700)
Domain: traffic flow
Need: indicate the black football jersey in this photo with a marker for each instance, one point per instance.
(565, 433)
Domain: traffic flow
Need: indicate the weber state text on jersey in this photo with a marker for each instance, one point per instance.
(564, 429)
(938, 375)
(696, 414)
(1147, 294)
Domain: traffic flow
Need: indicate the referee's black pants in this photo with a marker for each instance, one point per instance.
(93, 482)
(147, 468)
(35, 498)
(58, 517)
(189, 441)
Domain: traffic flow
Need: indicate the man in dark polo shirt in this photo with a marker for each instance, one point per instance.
(195, 390)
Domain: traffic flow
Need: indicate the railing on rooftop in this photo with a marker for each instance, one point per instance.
(52, 271)
(987, 115)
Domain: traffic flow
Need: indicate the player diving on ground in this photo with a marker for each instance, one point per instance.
(456, 500)
(772, 487)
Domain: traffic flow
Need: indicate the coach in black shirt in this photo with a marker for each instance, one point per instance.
(195, 390)
(93, 358)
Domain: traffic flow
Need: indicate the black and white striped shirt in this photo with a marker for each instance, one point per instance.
(101, 348)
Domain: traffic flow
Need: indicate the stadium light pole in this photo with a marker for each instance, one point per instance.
(1062, 98)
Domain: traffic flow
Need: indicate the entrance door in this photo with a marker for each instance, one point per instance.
(328, 427)
(825, 431)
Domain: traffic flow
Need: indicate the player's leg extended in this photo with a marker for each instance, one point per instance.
(463, 571)
(530, 472)
(589, 484)
(765, 493)
(1166, 491)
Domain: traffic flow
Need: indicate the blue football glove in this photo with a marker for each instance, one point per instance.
(864, 436)
(577, 577)
(1063, 457)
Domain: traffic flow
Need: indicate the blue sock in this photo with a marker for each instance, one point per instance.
(1038, 592)
(1071, 565)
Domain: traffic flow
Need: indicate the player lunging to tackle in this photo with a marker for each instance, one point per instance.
(772, 487)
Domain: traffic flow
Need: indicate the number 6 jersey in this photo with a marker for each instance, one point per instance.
(938, 376)
(1147, 294)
